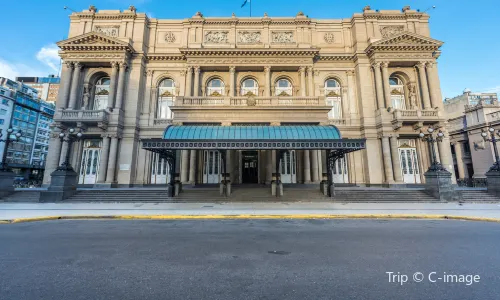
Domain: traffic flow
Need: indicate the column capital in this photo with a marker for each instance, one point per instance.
(384, 64)
(149, 73)
(123, 65)
(70, 64)
(189, 70)
(302, 69)
(78, 65)
(421, 65)
(232, 69)
(431, 64)
(349, 72)
(197, 69)
(376, 65)
(267, 69)
(115, 64)
(310, 70)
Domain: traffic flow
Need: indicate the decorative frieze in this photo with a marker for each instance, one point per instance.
(329, 37)
(169, 37)
(249, 37)
(389, 31)
(282, 37)
(107, 30)
(217, 37)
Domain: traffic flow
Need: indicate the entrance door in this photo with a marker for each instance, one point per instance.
(409, 165)
(211, 166)
(160, 170)
(288, 167)
(340, 172)
(89, 165)
(250, 166)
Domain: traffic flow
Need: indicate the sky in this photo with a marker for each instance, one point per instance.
(470, 30)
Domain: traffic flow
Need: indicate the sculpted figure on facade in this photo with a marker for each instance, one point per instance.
(412, 92)
(86, 96)
(249, 37)
(107, 30)
(217, 37)
(170, 37)
(282, 37)
(388, 31)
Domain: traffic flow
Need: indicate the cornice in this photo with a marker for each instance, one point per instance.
(336, 57)
(250, 52)
(166, 57)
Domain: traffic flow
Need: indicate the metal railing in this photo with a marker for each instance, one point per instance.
(472, 182)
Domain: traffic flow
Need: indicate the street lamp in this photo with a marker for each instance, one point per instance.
(69, 137)
(7, 140)
(432, 138)
(493, 140)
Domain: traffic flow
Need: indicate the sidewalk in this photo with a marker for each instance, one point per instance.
(11, 211)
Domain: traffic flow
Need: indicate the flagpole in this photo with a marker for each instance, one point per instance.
(250, 8)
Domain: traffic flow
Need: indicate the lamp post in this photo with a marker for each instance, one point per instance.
(432, 138)
(7, 140)
(492, 139)
(69, 137)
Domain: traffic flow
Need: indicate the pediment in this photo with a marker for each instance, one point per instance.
(91, 40)
(407, 38)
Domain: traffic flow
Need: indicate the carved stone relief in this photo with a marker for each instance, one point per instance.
(170, 37)
(282, 37)
(329, 37)
(107, 30)
(249, 37)
(217, 37)
(388, 31)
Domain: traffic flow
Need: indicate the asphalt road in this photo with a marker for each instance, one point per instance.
(249, 259)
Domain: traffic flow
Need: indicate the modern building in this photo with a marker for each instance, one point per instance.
(47, 87)
(32, 117)
(129, 80)
(468, 115)
(6, 109)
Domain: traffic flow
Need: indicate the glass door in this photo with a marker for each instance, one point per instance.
(409, 165)
(340, 172)
(160, 170)
(288, 168)
(89, 165)
(211, 166)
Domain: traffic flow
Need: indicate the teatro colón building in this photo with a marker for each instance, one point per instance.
(248, 97)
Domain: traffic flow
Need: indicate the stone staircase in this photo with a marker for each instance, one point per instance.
(382, 195)
(22, 196)
(478, 196)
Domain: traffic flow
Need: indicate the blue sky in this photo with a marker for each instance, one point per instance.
(470, 30)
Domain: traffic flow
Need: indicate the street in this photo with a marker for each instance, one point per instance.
(250, 259)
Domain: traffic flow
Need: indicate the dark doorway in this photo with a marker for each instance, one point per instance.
(250, 166)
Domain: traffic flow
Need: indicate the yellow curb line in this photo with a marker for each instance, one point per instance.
(222, 217)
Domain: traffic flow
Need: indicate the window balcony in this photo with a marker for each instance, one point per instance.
(89, 117)
(249, 101)
(417, 118)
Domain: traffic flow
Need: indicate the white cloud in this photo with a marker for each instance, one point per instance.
(493, 90)
(49, 56)
(13, 70)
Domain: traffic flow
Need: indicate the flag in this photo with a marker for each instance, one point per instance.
(245, 3)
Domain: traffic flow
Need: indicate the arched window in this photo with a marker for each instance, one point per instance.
(283, 87)
(101, 93)
(397, 93)
(249, 87)
(333, 98)
(166, 95)
(215, 88)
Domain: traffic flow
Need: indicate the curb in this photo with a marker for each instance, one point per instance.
(262, 217)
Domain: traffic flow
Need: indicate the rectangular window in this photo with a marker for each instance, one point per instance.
(3, 112)
(2, 121)
(5, 102)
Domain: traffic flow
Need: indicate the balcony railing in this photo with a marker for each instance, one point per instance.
(493, 117)
(97, 116)
(250, 101)
(401, 116)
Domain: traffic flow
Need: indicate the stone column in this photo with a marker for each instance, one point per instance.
(310, 78)
(120, 92)
(315, 167)
(345, 103)
(385, 81)
(196, 81)
(112, 84)
(62, 156)
(75, 82)
(386, 153)
(460, 160)
(189, 82)
(66, 76)
(307, 167)
(192, 168)
(433, 84)
(232, 81)
(396, 164)
(113, 152)
(350, 93)
(424, 86)
(302, 71)
(378, 85)
(445, 154)
(103, 162)
(185, 165)
(269, 166)
(267, 71)
(53, 156)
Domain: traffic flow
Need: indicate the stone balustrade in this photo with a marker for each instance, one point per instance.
(401, 116)
(93, 116)
(250, 101)
(493, 117)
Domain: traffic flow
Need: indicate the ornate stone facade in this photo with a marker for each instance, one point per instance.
(234, 70)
